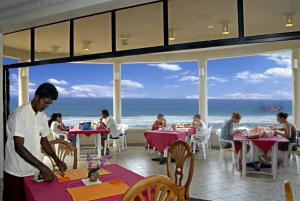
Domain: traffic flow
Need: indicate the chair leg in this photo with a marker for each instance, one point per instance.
(298, 162)
(221, 153)
(125, 141)
(285, 158)
(194, 147)
(204, 149)
(233, 156)
(118, 145)
(105, 146)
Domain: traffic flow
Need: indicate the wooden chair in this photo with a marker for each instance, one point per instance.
(154, 188)
(288, 191)
(62, 149)
(180, 151)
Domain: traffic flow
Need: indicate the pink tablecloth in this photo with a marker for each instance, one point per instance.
(76, 131)
(161, 139)
(263, 143)
(55, 191)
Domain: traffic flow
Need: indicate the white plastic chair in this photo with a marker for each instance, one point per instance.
(208, 137)
(123, 128)
(115, 141)
(222, 150)
(204, 142)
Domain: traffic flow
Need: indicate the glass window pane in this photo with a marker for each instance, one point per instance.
(271, 16)
(139, 27)
(52, 41)
(17, 45)
(92, 34)
(194, 20)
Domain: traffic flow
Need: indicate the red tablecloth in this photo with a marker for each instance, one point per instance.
(263, 143)
(161, 139)
(42, 191)
(76, 131)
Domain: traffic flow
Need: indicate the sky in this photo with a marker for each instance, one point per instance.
(264, 76)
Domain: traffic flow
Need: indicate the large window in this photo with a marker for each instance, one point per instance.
(17, 45)
(271, 16)
(139, 27)
(52, 41)
(194, 20)
(92, 34)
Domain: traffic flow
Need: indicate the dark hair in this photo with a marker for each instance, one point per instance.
(197, 116)
(282, 115)
(105, 112)
(236, 115)
(53, 117)
(47, 90)
(160, 115)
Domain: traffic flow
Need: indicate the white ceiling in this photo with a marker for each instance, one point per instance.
(8, 3)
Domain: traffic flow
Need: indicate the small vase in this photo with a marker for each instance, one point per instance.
(93, 176)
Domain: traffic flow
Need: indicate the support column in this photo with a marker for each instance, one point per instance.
(203, 106)
(117, 92)
(1, 109)
(296, 86)
(23, 86)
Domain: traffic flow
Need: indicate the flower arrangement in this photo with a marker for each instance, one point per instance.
(93, 168)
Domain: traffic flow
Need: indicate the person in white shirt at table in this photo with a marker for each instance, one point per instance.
(58, 129)
(199, 127)
(27, 130)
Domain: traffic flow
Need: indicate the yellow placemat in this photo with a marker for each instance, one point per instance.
(80, 173)
(97, 191)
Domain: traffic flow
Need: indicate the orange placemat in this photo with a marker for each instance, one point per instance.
(80, 173)
(97, 191)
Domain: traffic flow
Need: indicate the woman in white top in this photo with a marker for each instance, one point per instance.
(57, 127)
(200, 127)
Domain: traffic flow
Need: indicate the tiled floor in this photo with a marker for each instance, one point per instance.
(213, 179)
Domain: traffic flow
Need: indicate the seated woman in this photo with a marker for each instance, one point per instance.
(57, 127)
(288, 131)
(199, 127)
(227, 133)
(160, 122)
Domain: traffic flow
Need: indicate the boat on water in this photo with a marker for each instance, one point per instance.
(270, 108)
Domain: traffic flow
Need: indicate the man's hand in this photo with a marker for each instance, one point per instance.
(47, 174)
(61, 165)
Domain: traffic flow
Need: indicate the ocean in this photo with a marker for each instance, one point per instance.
(141, 112)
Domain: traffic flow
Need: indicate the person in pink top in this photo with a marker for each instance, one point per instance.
(160, 122)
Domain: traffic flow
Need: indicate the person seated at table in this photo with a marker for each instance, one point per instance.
(108, 122)
(198, 128)
(160, 122)
(227, 133)
(288, 131)
(57, 127)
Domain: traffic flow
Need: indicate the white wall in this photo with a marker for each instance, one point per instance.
(1, 109)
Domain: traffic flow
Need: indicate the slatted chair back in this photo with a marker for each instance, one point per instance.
(154, 188)
(180, 151)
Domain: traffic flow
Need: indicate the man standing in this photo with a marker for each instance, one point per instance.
(27, 130)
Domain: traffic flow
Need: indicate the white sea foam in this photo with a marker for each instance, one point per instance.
(146, 121)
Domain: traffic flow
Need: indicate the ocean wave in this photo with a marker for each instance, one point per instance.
(146, 121)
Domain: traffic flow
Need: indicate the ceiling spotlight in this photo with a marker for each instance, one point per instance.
(289, 22)
(172, 36)
(124, 39)
(211, 26)
(86, 45)
(54, 49)
(225, 29)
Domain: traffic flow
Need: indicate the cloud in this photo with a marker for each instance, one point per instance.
(90, 90)
(13, 77)
(217, 79)
(132, 84)
(172, 86)
(277, 95)
(192, 97)
(279, 72)
(189, 78)
(185, 73)
(166, 66)
(252, 78)
(280, 58)
(57, 82)
(172, 76)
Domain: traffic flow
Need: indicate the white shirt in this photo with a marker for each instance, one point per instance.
(24, 122)
(112, 126)
(56, 131)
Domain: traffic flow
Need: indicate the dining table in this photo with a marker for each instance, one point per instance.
(64, 191)
(98, 132)
(160, 140)
(264, 144)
